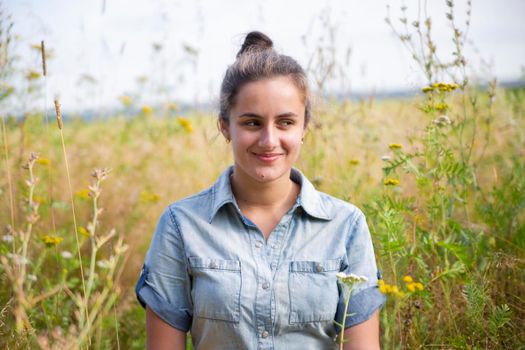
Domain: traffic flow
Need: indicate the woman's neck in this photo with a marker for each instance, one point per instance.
(274, 194)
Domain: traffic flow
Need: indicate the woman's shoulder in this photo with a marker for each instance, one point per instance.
(335, 206)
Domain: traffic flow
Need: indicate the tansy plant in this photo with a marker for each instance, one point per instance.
(347, 283)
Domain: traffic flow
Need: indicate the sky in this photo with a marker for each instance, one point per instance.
(160, 50)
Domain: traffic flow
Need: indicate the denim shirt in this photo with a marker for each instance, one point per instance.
(210, 271)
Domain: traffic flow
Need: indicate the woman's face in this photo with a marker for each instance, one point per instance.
(266, 128)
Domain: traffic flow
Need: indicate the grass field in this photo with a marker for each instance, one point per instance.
(440, 177)
(444, 195)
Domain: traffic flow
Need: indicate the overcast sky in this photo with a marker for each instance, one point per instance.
(101, 49)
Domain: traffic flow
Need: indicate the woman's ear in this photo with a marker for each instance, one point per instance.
(224, 128)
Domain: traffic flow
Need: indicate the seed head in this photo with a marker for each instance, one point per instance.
(59, 113)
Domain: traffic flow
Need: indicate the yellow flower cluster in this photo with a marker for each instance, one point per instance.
(147, 110)
(391, 182)
(32, 75)
(441, 87)
(149, 197)
(389, 289)
(83, 231)
(354, 161)
(43, 161)
(394, 146)
(441, 107)
(83, 194)
(185, 123)
(411, 285)
(126, 100)
(51, 240)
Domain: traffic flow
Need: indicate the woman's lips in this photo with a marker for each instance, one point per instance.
(267, 157)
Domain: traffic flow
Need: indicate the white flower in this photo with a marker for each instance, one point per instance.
(31, 278)
(104, 264)
(66, 255)
(18, 259)
(7, 238)
(350, 279)
(385, 158)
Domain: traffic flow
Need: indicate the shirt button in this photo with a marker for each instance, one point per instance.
(266, 285)
(265, 334)
(318, 268)
(275, 246)
(258, 244)
(213, 265)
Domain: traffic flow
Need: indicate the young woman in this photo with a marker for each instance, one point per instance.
(251, 262)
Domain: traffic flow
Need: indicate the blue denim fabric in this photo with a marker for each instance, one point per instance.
(210, 271)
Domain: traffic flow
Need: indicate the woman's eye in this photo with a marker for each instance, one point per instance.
(250, 123)
(286, 122)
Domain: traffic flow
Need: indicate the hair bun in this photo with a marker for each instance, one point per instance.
(255, 41)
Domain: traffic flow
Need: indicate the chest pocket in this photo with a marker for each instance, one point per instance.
(313, 290)
(216, 288)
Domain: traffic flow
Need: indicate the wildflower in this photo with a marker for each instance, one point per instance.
(31, 277)
(104, 264)
(354, 161)
(147, 110)
(43, 161)
(418, 286)
(385, 158)
(173, 106)
(394, 146)
(51, 240)
(18, 259)
(83, 231)
(7, 238)
(411, 287)
(350, 279)
(82, 194)
(32, 75)
(100, 173)
(442, 120)
(427, 89)
(391, 182)
(66, 254)
(185, 123)
(441, 107)
(408, 279)
(126, 100)
(149, 197)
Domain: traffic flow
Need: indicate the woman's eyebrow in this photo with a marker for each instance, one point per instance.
(254, 115)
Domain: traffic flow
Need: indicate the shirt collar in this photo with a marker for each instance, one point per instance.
(309, 198)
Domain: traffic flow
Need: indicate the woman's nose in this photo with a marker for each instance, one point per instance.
(268, 137)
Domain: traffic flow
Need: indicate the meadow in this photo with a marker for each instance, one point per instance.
(440, 177)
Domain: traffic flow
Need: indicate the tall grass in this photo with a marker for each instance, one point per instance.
(441, 177)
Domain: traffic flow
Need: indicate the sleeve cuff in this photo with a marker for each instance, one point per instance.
(360, 307)
(146, 295)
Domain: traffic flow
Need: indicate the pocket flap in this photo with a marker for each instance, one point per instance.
(315, 266)
(217, 264)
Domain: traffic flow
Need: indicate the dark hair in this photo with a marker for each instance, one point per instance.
(258, 60)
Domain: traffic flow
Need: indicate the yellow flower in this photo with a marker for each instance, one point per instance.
(441, 107)
(408, 279)
(172, 106)
(394, 146)
(391, 182)
(418, 286)
(149, 197)
(43, 161)
(83, 231)
(82, 194)
(32, 75)
(354, 161)
(411, 287)
(427, 89)
(51, 240)
(185, 123)
(126, 100)
(147, 110)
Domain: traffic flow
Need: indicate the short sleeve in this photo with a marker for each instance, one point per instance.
(164, 284)
(360, 260)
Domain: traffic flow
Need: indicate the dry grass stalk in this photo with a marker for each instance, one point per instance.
(43, 49)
